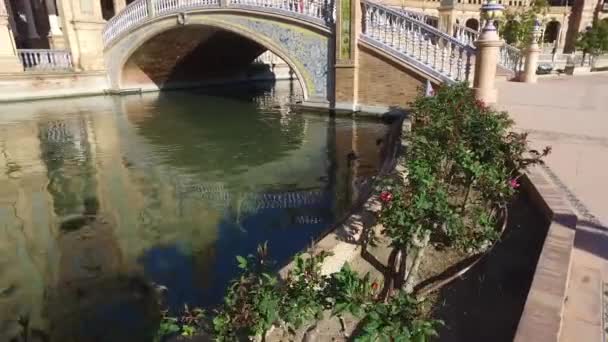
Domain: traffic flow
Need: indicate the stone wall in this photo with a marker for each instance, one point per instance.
(28, 86)
(383, 82)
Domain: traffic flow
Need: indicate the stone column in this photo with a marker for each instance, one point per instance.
(532, 55)
(348, 28)
(56, 39)
(82, 23)
(32, 33)
(9, 62)
(119, 5)
(447, 16)
(488, 47)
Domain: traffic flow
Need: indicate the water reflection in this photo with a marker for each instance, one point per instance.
(102, 200)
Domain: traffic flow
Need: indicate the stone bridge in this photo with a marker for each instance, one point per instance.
(346, 54)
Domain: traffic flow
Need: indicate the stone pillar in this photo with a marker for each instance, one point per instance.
(532, 55)
(56, 39)
(486, 60)
(119, 5)
(348, 28)
(9, 62)
(32, 33)
(82, 23)
(447, 16)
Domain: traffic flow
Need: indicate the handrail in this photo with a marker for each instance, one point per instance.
(140, 11)
(417, 42)
(45, 60)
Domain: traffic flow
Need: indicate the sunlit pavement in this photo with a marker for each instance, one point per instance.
(570, 114)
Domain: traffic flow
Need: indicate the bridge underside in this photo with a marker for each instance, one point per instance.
(211, 47)
(190, 56)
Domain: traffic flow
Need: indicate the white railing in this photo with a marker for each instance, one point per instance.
(45, 60)
(268, 58)
(511, 58)
(129, 17)
(322, 10)
(140, 11)
(421, 16)
(416, 42)
(169, 6)
(465, 35)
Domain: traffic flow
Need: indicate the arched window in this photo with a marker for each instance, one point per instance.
(107, 9)
(473, 24)
(551, 31)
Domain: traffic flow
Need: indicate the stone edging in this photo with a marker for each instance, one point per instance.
(541, 319)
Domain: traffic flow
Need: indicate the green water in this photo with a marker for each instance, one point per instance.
(103, 200)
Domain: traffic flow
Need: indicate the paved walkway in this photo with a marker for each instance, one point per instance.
(571, 115)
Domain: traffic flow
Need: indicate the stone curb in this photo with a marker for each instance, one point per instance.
(542, 315)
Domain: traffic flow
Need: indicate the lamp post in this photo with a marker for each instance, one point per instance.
(488, 47)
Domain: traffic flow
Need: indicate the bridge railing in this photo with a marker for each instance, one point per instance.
(465, 34)
(417, 42)
(45, 60)
(511, 58)
(421, 16)
(140, 11)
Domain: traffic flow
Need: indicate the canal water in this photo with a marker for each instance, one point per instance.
(104, 201)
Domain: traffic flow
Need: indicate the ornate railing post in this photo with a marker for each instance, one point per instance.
(532, 55)
(488, 45)
(348, 28)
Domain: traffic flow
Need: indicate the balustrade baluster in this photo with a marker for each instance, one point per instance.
(467, 69)
(435, 50)
(459, 64)
(451, 59)
(393, 29)
(443, 57)
(421, 43)
(428, 50)
(400, 36)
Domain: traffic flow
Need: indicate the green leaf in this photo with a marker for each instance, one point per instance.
(242, 262)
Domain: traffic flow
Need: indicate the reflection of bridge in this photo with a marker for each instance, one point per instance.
(219, 195)
(384, 42)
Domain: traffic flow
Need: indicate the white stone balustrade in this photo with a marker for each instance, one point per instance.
(511, 58)
(140, 11)
(45, 60)
(465, 35)
(414, 40)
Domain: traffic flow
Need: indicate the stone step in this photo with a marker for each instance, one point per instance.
(582, 317)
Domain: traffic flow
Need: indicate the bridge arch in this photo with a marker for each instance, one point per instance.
(306, 46)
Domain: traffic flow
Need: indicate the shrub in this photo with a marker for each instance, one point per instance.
(462, 165)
